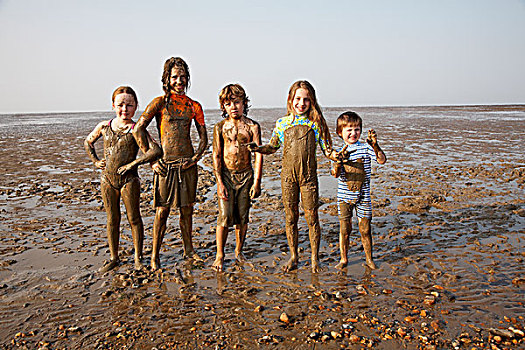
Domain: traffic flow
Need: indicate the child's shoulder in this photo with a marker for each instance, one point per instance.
(103, 124)
(286, 119)
(250, 121)
(195, 103)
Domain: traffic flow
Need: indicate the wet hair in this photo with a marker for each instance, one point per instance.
(229, 93)
(166, 74)
(314, 113)
(348, 118)
(124, 90)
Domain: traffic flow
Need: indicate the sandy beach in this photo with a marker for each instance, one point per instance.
(448, 228)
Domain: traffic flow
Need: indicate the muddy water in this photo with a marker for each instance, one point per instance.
(448, 227)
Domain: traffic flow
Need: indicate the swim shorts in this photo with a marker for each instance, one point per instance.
(235, 210)
(178, 188)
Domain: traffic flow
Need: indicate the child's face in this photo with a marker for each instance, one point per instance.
(125, 106)
(178, 80)
(301, 101)
(351, 133)
(234, 107)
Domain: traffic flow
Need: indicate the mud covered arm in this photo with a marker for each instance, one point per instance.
(336, 169)
(372, 141)
(203, 142)
(269, 148)
(89, 145)
(218, 149)
(255, 191)
(151, 151)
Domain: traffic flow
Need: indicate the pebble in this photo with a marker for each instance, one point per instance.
(429, 300)
(314, 335)
(335, 334)
(401, 332)
(284, 318)
(354, 338)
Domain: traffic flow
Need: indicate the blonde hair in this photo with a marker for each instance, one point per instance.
(228, 93)
(314, 113)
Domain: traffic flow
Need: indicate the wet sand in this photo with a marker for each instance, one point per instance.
(448, 228)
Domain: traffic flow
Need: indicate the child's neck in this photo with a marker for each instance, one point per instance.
(351, 143)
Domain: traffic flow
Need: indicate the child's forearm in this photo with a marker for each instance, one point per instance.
(90, 149)
(152, 153)
(203, 142)
(258, 167)
(266, 149)
(380, 155)
(336, 170)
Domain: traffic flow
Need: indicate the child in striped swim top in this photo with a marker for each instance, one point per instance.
(353, 189)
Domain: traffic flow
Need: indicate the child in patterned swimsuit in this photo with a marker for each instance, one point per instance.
(299, 133)
(119, 171)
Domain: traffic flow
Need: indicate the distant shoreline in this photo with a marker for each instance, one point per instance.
(504, 106)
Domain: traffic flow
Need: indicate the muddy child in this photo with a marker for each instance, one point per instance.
(237, 183)
(299, 132)
(119, 171)
(353, 190)
(175, 178)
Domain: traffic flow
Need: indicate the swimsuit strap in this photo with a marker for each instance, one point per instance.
(127, 132)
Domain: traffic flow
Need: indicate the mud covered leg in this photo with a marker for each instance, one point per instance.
(366, 238)
(314, 230)
(131, 199)
(240, 233)
(111, 199)
(345, 229)
(186, 226)
(159, 229)
(292, 235)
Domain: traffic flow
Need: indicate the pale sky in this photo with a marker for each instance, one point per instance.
(69, 55)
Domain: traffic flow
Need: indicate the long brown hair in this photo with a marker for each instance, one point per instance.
(166, 74)
(314, 113)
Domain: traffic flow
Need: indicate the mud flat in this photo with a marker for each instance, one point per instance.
(449, 234)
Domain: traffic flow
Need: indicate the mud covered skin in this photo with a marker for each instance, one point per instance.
(237, 183)
(448, 242)
(173, 123)
(119, 178)
(299, 177)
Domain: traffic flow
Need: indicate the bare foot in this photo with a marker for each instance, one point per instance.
(290, 265)
(193, 256)
(138, 264)
(342, 264)
(196, 257)
(371, 264)
(217, 265)
(315, 266)
(110, 265)
(240, 258)
(155, 263)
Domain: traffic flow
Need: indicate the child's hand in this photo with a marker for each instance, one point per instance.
(222, 193)
(188, 164)
(252, 147)
(372, 137)
(159, 168)
(255, 191)
(101, 164)
(123, 169)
